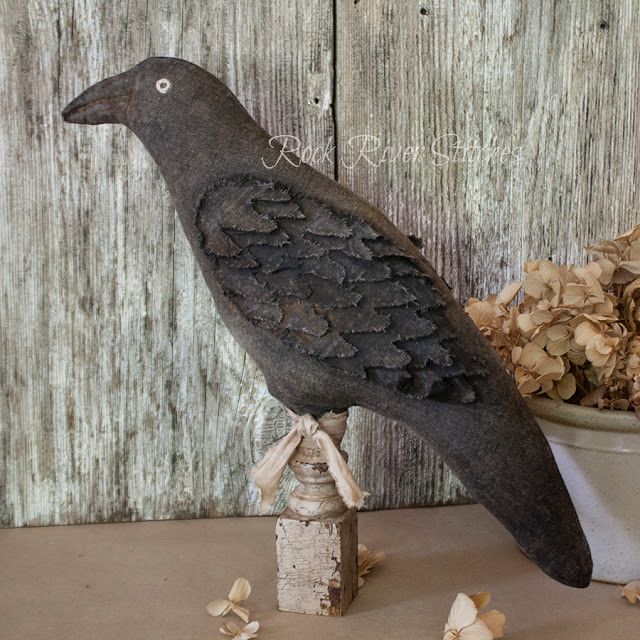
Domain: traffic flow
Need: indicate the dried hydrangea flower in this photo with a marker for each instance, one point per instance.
(465, 623)
(535, 369)
(631, 591)
(240, 591)
(630, 300)
(574, 334)
(600, 342)
(531, 323)
(495, 620)
(558, 339)
(496, 321)
(619, 258)
(247, 632)
(543, 281)
(366, 561)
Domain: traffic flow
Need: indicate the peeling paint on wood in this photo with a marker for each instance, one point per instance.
(317, 564)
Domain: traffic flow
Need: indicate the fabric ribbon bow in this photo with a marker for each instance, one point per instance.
(268, 472)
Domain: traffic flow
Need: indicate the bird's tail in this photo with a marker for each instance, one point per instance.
(498, 451)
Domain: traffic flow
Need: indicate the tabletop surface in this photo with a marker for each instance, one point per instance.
(154, 580)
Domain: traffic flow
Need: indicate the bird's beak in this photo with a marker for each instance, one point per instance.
(105, 102)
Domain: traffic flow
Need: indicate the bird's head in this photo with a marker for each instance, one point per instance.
(152, 93)
(190, 122)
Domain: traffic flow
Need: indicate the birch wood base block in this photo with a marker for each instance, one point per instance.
(317, 564)
(317, 536)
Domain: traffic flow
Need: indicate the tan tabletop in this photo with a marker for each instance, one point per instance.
(154, 579)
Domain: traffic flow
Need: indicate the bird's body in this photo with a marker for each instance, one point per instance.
(335, 305)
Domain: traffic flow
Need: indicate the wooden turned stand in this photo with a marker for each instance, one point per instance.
(316, 535)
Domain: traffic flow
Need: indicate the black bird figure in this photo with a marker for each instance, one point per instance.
(335, 305)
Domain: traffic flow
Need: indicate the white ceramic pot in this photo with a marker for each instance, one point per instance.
(598, 454)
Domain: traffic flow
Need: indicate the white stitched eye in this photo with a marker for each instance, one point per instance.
(163, 85)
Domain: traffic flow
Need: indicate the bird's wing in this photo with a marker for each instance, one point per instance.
(329, 285)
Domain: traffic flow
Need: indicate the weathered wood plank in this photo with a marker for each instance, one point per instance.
(553, 86)
(124, 397)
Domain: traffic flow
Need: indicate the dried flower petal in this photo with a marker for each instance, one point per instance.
(566, 387)
(592, 398)
(482, 312)
(463, 619)
(219, 608)
(509, 293)
(531, 322)
(366, 561)
(464, 622)
(627, 271)
(542, 281)
(496, 622)
(607, 268)
(240, 591)
(241, 612)
(631, 591)
(559, 339)
(630, 299)
(630, 236)
(248, 632)
(480, 599)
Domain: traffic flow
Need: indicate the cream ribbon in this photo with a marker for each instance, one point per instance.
(268, 472)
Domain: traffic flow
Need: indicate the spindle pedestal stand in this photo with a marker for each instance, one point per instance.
(317, 535)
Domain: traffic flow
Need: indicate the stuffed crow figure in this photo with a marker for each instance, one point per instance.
(336, 305)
